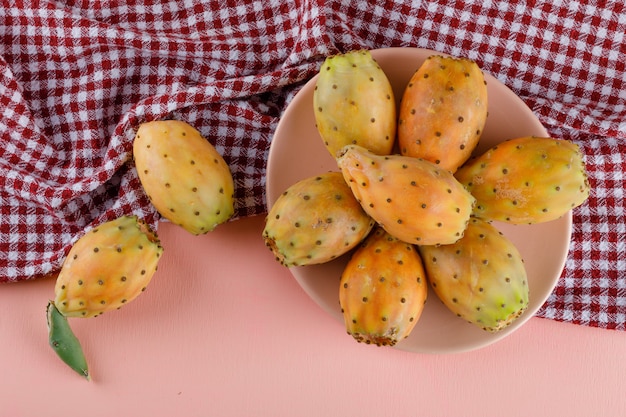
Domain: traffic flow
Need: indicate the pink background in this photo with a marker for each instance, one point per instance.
(224, 330)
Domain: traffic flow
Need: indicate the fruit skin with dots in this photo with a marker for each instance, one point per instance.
(383, 290)
(315, 220)
(481, 278)
(443, 111)
(411, 198)
(354, 103)
(185, 177)
(107, 267)
(527, 180)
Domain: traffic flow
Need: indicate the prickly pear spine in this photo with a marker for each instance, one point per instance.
(383, 290)
(183, 174)
(354, 103)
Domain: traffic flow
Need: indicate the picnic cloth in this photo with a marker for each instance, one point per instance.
(78, 76)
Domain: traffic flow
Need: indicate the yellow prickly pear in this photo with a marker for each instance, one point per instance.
(184, 176)
(481, 278)
(354, 103)
(315, 220)
(527, 180)
(412, 199)
(107, 267)
(443, 111)
(382, 290)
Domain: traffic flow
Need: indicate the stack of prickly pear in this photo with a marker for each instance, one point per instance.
(188, 182)
(413, 170)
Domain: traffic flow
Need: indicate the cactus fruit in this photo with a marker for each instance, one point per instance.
(383, 290)
(481, 278)
(412, 199)
(354, 103)
(184, 176)
(315, 220)
(443, 111)
(107, 267)
(526, 180)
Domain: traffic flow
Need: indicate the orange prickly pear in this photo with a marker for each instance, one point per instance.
(315, 220)
(412, 199)
(443, 111)
(107, 267)
(383, 289)
(354, 103)
(527, 180)
(184, 176)
(481, 278)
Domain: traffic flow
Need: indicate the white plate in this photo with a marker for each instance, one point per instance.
(297, 152)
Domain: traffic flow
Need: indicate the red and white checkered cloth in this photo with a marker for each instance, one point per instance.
(77, 77)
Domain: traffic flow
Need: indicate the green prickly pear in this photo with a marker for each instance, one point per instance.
(382, 290)
(354, 103)
(184, 176)
(412, 199)
(107, 267)
(314, 221)
(443, 111)
(527, 180)
(481, 278)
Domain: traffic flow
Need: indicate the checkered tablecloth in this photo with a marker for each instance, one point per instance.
(77, 77)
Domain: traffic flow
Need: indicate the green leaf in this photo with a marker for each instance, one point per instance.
(63, 341)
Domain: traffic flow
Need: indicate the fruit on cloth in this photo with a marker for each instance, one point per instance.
(315, 220)
(354, 103)
(481, 278)
(107, 267)
(383, 290)
(63, 341)
(443, 111)
(185, 177)
(411, 198)
(527, 180)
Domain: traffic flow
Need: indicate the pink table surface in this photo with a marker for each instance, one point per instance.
(217, 336)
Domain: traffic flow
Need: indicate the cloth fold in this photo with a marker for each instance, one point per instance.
(78, 77)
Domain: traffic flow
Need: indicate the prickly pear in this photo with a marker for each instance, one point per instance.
(354, 103)
(107, 267)
(443, 111)
(411, 198)
(184, 176)
(315, 220)
(527, 180)
(382, 290)
(481, 278)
